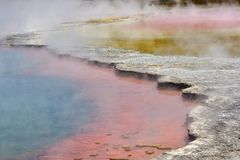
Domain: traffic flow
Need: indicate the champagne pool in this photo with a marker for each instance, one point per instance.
(36, 110)
(63, 108)
(56, 107)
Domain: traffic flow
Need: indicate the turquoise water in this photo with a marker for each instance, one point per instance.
(36, 110)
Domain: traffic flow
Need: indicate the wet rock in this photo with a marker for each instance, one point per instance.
(93, 155)
(148, 146)
(119, 159)
(172, 82)
(149, 152)
(126, 148)
(195, 92)
(125, 136)
(128, 134)
(164, 2)
(25, 40)
(116, 147)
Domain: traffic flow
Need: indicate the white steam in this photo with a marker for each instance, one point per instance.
(31, 15)
(20, 16)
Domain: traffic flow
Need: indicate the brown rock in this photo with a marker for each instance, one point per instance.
(126, 148)
(125, 136)
(93, 155)
(149, 152)
(119, 159)
(156, 146)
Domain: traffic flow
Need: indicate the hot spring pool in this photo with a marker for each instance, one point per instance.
(36, 110)
(61, 108)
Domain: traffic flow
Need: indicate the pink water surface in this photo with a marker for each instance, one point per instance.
(130, 112)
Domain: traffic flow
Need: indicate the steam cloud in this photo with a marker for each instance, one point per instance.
(18, 16)
(30, 15)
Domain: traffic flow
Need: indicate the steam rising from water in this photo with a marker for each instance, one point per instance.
(191, 30)
(31, 15)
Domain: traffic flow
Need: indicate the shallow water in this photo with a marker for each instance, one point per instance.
(36, 110)
(62, 108)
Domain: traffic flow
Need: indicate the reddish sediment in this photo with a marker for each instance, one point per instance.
(135, 120)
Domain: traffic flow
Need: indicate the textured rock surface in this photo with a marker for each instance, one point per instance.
(214, 124)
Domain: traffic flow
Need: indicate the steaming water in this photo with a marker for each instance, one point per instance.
(53, 107)
(192, 31)
(36, 111)
(39, 110)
